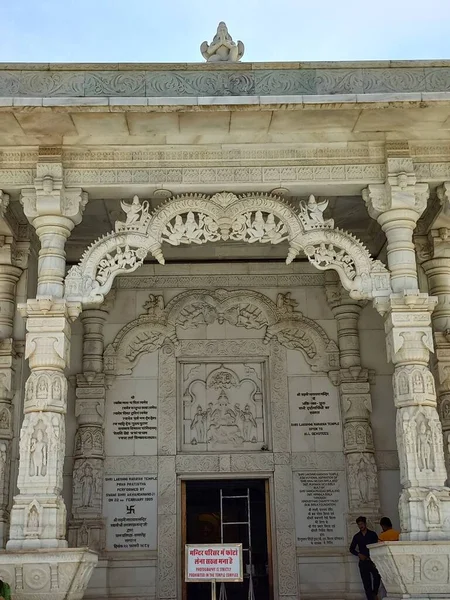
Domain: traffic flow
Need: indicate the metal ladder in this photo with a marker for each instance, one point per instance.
(245, 498)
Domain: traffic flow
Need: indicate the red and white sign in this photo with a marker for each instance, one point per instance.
(214, 562)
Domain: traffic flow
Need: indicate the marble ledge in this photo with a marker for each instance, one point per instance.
(142, 103)
(202, 66)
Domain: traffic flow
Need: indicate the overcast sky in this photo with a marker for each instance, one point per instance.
(272, 30)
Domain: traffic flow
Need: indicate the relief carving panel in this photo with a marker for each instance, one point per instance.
(222, 406)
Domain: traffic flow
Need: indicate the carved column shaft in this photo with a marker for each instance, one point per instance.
(87, 525)
(9, 276)
(53, 233)
(424, 502)
(434, 253)
(354, 388)
(38, 517)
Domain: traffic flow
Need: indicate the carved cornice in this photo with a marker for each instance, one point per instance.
(266, 280)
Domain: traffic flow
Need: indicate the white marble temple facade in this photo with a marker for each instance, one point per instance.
(234, 271)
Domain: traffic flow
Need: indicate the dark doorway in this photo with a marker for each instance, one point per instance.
(231, 511)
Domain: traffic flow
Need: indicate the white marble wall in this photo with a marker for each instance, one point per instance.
(125, 573)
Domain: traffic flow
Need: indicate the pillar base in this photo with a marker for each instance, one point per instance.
(57, 574)
(414, 570)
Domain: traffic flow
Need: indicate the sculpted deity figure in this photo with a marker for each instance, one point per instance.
(2, 462)
(194, 231)
(4, 419)
(363, 480)
(433, 512)
(175, 232)
(83, 536)
(39, 453)
(86, 480)
(256, 228)
(248, 422)
(33, 519)
(424, 447)
(42, 388)
(198, 424)
(132, 210)
(312, 213)
(222, 48)
(56, 389)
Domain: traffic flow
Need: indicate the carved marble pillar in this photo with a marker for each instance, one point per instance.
(433, 251)
(356, 406)
(424, 501)
(38, 517)
(87, 526)
(12, 262)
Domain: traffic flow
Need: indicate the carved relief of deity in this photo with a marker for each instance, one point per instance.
(349, 436)
(3, 458)
(42, 388)
(56, 388)
(198, 424)
(362, 473)
(86, 478)
(83, 536)
(33, 521)
(223, 409)
(403, 386)
(433, 512)
(425, 452)
(417, 380)
(4, 419)
(38, 454)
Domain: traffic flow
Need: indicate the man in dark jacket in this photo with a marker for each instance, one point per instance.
(367, 568)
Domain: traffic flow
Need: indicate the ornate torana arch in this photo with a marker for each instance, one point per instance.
(242, 308)
(197, 219)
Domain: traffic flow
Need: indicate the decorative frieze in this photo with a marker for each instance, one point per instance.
(235, 80)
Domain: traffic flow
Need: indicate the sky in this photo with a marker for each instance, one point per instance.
(272, 30)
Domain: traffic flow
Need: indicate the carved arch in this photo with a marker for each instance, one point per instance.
(198, 219)
(242, 308)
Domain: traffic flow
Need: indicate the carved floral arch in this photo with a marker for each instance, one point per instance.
(198, 219)
(278, 321)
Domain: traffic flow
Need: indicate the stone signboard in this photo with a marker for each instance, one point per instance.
(315, 415)
(320, 507)
(130, 507)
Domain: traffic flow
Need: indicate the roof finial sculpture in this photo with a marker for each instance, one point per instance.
(222, 48)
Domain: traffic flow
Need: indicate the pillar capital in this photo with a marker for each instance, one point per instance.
(400, 192)
(50, 198)
(53, 210)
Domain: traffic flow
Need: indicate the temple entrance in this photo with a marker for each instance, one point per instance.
(216, 511)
